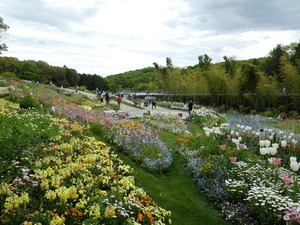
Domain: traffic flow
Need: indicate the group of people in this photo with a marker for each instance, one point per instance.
(102, 95)
(150, 100)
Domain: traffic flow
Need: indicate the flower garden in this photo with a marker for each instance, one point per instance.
(55, 169)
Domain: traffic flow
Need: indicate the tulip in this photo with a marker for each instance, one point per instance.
(233, 159)
(286, 179)
(223, 147)
(294, 142)
(267, 143)
(207, 133)
(262, 151)
(283, 143)
(272, 150)
(293, 159)
(261, 143)
(294, 166)
(275, 145)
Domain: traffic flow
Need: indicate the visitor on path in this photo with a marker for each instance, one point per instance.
(107, 97)
(119, 100)
(190, 106)
(153, 102)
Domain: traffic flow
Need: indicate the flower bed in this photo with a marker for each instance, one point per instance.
(252, 179)
(166, 121)
(70, 178)
(138, 141)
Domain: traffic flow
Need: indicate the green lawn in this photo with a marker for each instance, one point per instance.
(176, 191)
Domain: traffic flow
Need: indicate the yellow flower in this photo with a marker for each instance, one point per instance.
(110, 211)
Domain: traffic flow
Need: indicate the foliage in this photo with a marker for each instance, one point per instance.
(3, 28)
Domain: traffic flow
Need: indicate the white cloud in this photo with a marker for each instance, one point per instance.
(105, 37)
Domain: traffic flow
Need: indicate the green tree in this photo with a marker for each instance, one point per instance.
(169, 62)
(272, 65)
(204, 62)
(44, 71)
(28, 70)
(72, 76)
(3, 28)
(230, 65)
(267, 91)
(291, 86)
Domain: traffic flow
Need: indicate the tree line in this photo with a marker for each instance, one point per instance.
(40, 71)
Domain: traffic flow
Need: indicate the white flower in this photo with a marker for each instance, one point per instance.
(267, 143)
(283, 143)
(295, 166)
(293, 159)
(263, 151)
(272, 150)
(261, 143)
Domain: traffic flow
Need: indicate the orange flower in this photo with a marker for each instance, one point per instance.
(139, 217)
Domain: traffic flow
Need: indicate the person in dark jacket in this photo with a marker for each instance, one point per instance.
(190, 106)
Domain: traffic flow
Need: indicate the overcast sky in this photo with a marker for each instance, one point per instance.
(106, 37)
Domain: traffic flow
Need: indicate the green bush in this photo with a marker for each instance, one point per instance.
(28, 102)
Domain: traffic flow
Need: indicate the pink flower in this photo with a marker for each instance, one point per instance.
(228, 136)
(242, 146)
(223, 147)
(286, 179)
(233, 159)
(277, 161)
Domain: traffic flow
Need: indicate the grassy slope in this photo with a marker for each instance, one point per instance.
(176, 191)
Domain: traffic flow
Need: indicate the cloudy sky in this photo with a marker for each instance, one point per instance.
(106, 37)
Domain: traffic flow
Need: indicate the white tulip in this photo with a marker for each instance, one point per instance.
(294, 166)
(275, 145)
(207, 133)
(283, 143)
(262, 151)
(271, 137)
(267, 143)
(272, 150)
(240, 138)
(261, 143)
(293, 159)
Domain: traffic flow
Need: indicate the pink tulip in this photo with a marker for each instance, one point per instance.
(233, 159)
(277, 161)
(223, 147)
(286, 179)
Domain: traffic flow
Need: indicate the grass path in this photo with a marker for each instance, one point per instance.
(176, 191)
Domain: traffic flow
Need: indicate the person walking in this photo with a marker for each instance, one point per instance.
(153, 102)
(107, 97)
(119, 100)
(190, 106)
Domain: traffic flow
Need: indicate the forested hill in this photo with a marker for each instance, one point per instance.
(137, 80)
(148, 79)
